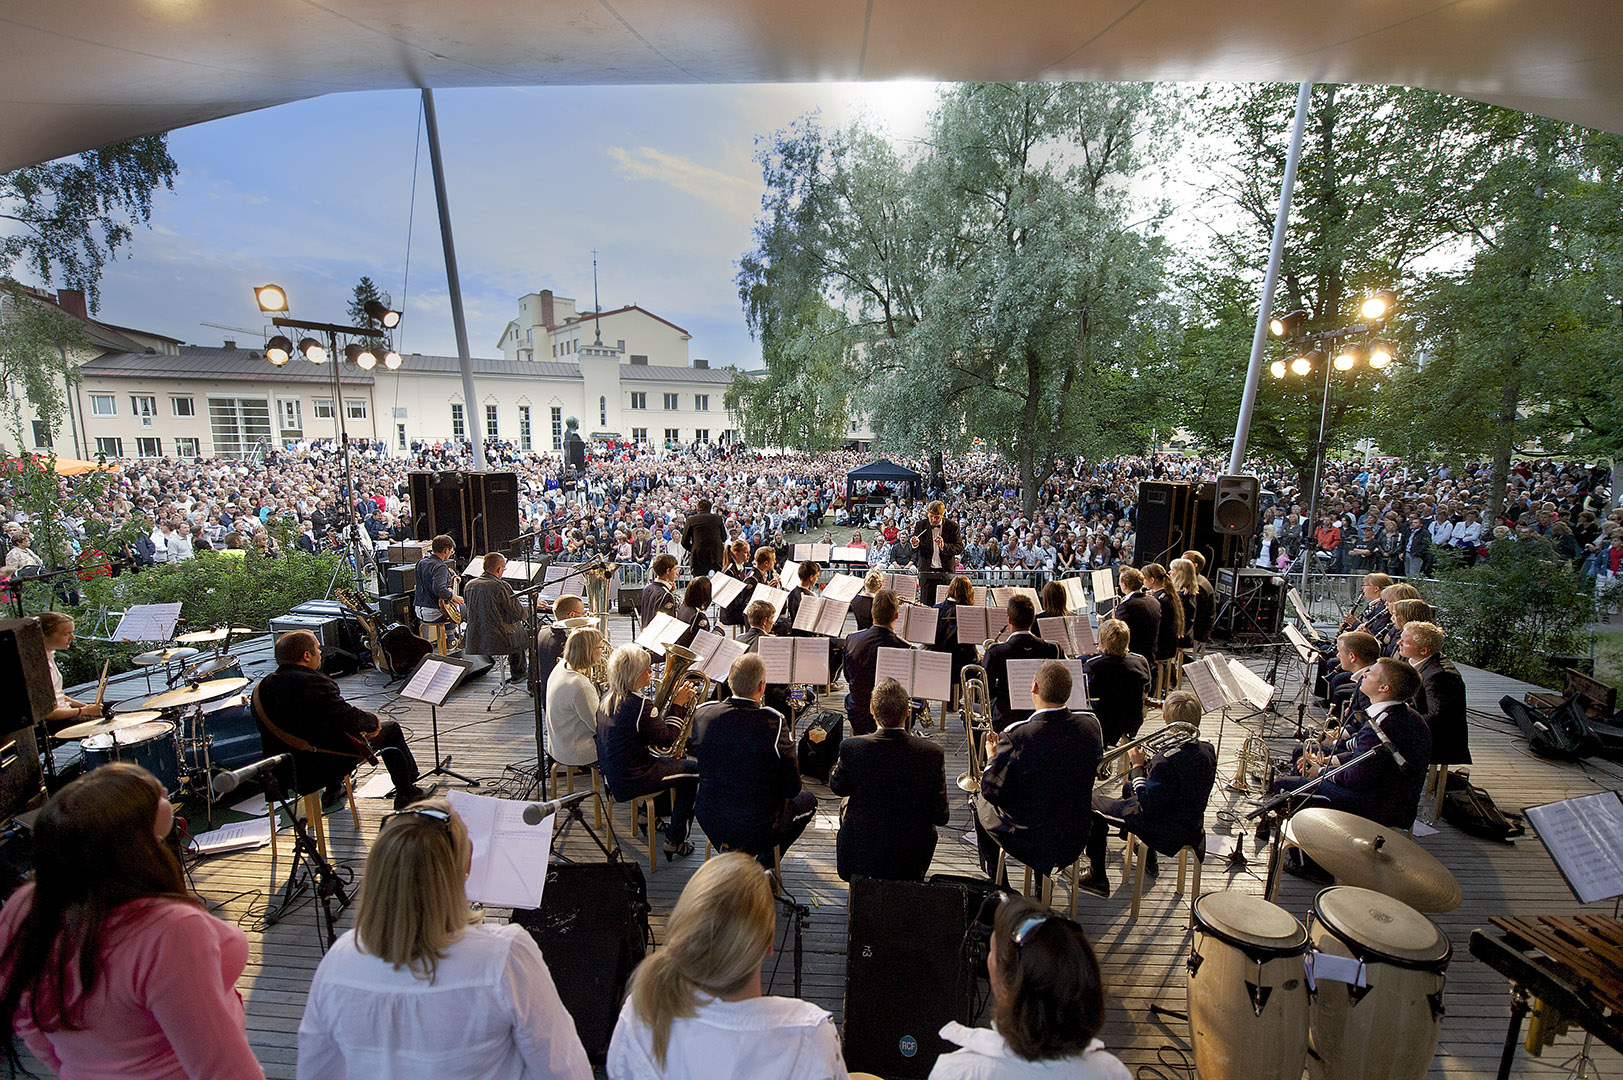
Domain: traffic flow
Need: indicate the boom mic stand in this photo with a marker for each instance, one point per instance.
(1276, 823)
(318, 872)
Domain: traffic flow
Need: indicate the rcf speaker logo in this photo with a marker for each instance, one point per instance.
(908, 1046)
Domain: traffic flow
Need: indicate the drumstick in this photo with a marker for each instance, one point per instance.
(101, 687)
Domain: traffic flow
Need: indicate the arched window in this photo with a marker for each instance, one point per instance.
(603, 412)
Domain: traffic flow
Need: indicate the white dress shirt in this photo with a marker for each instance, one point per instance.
(571, 717)
(983, 1055)
(764, 1038)
(491, 1013)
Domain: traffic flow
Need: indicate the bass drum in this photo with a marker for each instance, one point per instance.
(150, 745)
(232, 734)
(1386, 1029)
(1247, 989)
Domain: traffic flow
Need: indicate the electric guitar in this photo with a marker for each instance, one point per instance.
(396, 650)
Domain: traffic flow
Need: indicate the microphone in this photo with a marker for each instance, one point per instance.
(1375, 722)
(225, 782)
(536, 813)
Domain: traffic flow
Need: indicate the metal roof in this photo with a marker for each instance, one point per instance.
(227, 365)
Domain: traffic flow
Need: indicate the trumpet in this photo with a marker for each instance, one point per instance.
(976, 710)
(1161, 741)
(678, 662)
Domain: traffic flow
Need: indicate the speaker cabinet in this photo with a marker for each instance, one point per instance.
(400, 579)
(419, 485)
(22, 778)
(493, 498)
(1220, 548)
(906, 974)
(1237, 507)
(1162, 526)
(25, 669)
(1250, 602)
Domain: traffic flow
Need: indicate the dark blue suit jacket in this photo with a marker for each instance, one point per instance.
(1036, 793)
(1022, 645)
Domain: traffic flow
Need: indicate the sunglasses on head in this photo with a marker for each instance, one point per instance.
(1027, 926)
(429, 812)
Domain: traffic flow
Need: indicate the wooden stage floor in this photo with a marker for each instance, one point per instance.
(1144, 959)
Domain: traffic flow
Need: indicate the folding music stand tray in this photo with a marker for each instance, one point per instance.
(431, 682)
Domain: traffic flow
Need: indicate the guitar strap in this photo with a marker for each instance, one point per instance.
(293, 742)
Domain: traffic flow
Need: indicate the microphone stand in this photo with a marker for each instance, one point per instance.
(1275, 824)
(324, 879)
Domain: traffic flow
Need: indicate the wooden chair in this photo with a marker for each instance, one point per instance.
(559, 774)
(1137, 854)
(1048, 881)
(1439, 787)
(646, 801)
(438, 635)
(314, 817)
(777, 863)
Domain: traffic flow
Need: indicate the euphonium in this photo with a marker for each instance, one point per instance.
(1161, 741)
(678, 661)
(1253, 770)
(976, 710)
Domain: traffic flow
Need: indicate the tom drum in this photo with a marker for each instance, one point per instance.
(1247, 989)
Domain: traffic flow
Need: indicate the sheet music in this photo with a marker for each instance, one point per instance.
(1022, 673)
(1299, 643)
(905, 586)
(820, 615)
(923, 674)
(1104, 584)
(1253, 689)
(1002, 594)
(776, 597)
(789, 575)
(1076, 593)
(1198, 677)
(716, 653)
(724, 588)
(844, 587)
(509, 857)
(1585, 838)
(661, 630)
(1218, 664)
(1072, 633)
(918, 624)
(848, 554)
(251, 832)
(977, 624)
(148, 622)
(1300, 605)
(434, 678)
(513, 571)
(818, 553)
(794, 660)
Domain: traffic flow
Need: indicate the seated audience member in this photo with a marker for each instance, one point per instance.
(627, 727)
(862, 655)
(1021, 644)
(895, 789)
(1118, 684)
(1036, 792)
(750, 798)
(419, 988)
(572, 701)
(1048, 1005)
(1441, 698)
(695, 1007)
(1164, 800)
(1141, 612)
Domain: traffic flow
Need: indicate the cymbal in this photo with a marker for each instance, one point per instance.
(1372, 856)
(162, 656)
(193, 695)
(211, 637)
(108, 723)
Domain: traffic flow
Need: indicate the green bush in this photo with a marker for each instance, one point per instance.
(1513, 611)
(212, 588)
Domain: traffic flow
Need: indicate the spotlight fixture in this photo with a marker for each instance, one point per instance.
(1305, 363)
(1278, 369)
(1289, 325)
(386, 317)
(312, 350)
(361, 356)
(1380, 354)
(391, 360)
(1379, 305)
(271, 298)
(1346, 358)
(279, 350)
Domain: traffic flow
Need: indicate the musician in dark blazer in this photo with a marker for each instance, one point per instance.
(659, 595)
(959, 591)
(1205, 599)
(861, 656)
(935, 544)
(300, 711)
(1169, 628)
(1036, 793)
(1163, 801)
(495, 618)
(759, 615)
(750, 797)
(1118, 684)
(862, 606)
(895, 790)
(1355, 651)
(806, 585)
(1021, 644)
(705, 539)
(1141, 612)
(1441, 699)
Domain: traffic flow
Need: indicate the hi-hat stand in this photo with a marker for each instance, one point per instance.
(309, 868)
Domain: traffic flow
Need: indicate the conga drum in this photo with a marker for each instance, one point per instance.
(1247, 989)
(1386, 1029)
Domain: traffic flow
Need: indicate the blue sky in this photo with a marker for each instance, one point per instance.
(660, 180)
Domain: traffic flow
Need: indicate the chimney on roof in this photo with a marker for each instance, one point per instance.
(546, 309)
(699, 362)
(230, 345)
(72, 301)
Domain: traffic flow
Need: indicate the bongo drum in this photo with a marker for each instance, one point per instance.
(1247, 989)
(1386, 1029)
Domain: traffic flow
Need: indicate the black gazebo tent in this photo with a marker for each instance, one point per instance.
(882, 472)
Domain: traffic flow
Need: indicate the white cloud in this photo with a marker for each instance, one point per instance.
(734, 194)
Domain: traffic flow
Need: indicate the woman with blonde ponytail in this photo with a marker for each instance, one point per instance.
(695, 1009)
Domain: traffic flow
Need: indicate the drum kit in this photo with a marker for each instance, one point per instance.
(1356, 994)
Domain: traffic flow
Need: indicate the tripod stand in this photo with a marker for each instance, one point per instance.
(309, 867)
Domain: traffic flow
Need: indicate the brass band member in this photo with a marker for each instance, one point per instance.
(1021, 644)
(1387, 635)
(1374, 618)
(1118, 684)
(935, 545)
(862, 656)
(496, 618)
(862, 606)
(737, 566)
(1141, 612)
(626, 727)
(572, 701)
(1205, 600)
(1441, 699)
(959, 593)
(659, 594)
(1186, 585)
(1053, 597)
(57, 629)
(695, 599)
(1170, 628)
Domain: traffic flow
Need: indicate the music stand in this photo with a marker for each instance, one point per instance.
(431, 682)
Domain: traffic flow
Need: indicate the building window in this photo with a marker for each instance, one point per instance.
(701, 435)
(701, 402)
(555, 351)
(113, 448)
(400, 435)
(639, 400)
(557, 427)
(239, 425)
(622, 345)
(524, 427)
(186, 448)
(290, 418)
(603, 412)
(148, 446)
(730, 435)
(42, 433)
(103, 405)
(355, 408)
(639, 434)
(322, 408)
(672, 437)
(491, 429)
(182, 405)
(459, 426)
(144, 407)
(670, 403)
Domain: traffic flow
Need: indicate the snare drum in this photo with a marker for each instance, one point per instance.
(1247, 989)
(150, 745)
(1386, 1029)
(218, 667)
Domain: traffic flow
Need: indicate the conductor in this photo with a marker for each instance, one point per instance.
(935, 545)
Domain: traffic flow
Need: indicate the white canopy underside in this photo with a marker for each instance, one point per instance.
(76, 74)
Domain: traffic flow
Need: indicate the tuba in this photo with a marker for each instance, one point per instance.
(678, 665)
(1161, 741)
(976, 710)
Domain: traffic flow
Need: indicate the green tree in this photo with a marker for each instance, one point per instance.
(35, 365)
(73, 214)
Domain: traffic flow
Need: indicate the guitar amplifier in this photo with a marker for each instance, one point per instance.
(320, 607)
(400, 579)
(395, 608)
(327, 628)
(409, 553)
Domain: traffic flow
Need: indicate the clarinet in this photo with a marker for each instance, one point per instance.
(1350, 620)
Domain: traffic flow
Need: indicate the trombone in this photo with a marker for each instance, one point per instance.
(976, 710)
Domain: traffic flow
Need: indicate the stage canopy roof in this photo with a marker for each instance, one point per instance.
(883, 472)
(81, 73)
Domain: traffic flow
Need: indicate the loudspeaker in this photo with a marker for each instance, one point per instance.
(24, 668)
(493, 498)
(1220, 548)
(21, 777)
(1162, 526)
(906, 974)
(1251, 602)
(419, 487)
(592, 928)
(1237, 505)
(400, 579)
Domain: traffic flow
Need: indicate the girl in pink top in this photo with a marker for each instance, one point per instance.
(108, 966)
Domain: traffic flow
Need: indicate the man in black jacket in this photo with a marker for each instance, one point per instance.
(750, 798)
(895, 790)
(935, 545)
(301, 711)
(659, 595)
(1022, 644)
(1142, 614)
(495, 617)
(1118, 683)
(862, 655)
(705, 539)
(1036, 794)
(1441, 699)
